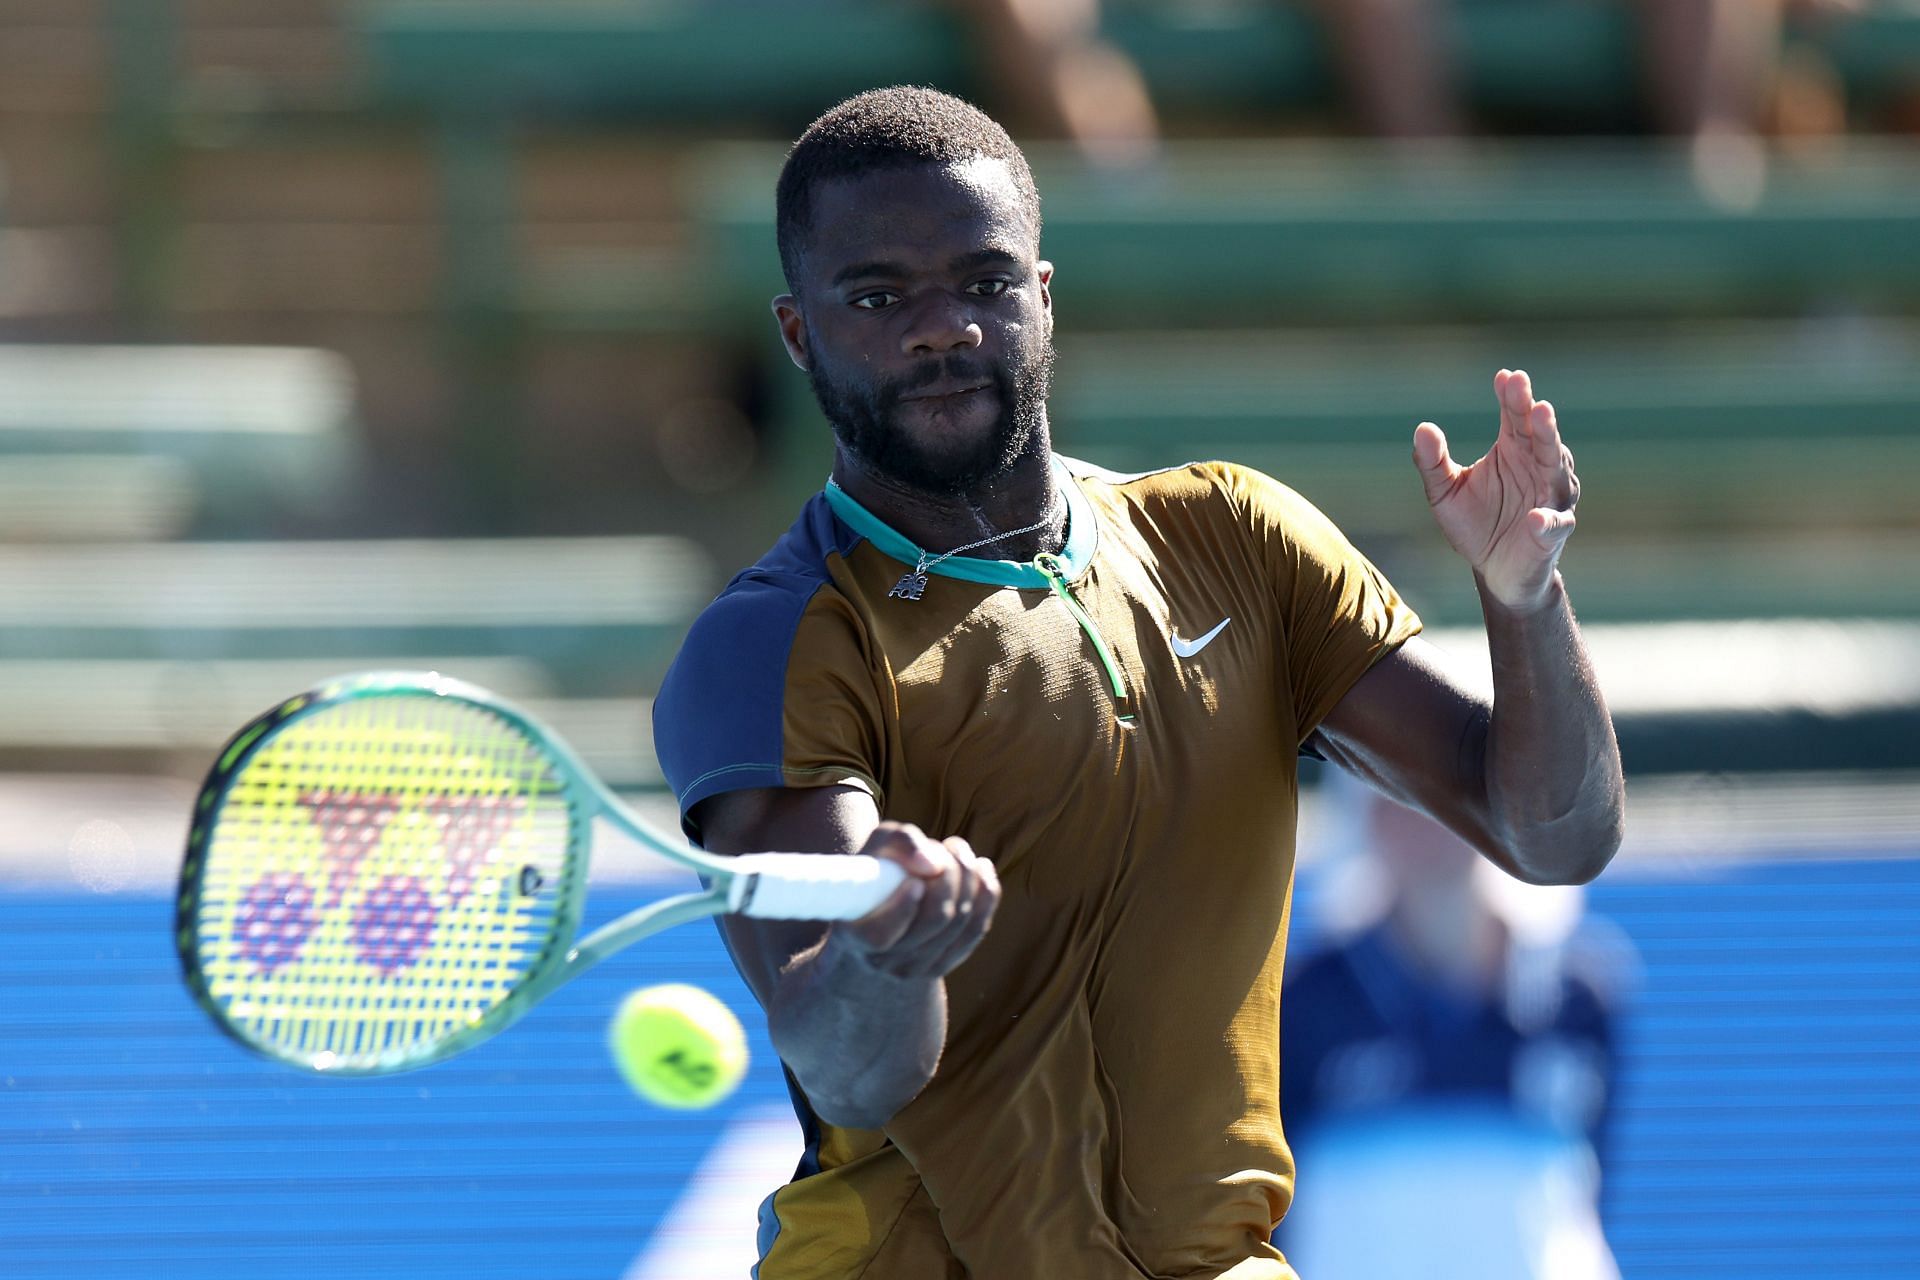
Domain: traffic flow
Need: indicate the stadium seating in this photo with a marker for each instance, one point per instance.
(479, 71)
(173, 716)
(120, 642)
(1187, 294)
(1315, 233)
(189, 438)
(1679, 427)
(1228, 301)
(782, 61)
(113, 496)
(1814, 695)
(155, 652)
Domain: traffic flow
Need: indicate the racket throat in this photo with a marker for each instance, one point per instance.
(624, 932)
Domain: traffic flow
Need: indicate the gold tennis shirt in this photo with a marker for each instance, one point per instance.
(1108, 1101)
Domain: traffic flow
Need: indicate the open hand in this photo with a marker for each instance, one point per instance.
(1510, 513)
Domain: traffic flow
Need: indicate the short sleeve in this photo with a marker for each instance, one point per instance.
(771, 689)
(1338, 614)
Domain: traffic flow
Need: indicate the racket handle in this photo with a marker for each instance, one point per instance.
(809, 886)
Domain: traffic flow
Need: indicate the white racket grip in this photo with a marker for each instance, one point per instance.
(809, 886)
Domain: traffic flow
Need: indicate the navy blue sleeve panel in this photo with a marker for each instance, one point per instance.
(717, 723)
(719, 720)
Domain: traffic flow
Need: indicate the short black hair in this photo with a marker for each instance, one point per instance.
(892, 128)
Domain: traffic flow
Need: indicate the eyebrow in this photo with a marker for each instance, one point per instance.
(861, 270)
(965, 262)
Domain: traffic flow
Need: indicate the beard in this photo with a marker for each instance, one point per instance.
(865, 420)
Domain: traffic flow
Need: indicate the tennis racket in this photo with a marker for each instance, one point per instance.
(388, 869)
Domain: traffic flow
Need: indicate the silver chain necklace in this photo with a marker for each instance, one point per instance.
(913, 584)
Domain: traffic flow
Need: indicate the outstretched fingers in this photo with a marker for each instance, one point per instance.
(1534, 428)
(1543, 433)
(1553, 459)
(1513, 388)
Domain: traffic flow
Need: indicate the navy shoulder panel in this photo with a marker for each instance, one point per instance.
(717, 719)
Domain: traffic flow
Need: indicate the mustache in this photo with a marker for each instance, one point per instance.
(956, 367)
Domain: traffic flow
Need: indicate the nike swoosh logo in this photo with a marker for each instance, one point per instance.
(1187, 648)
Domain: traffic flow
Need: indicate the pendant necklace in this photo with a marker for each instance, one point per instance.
(913, 583)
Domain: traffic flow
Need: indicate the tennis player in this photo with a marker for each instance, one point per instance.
(1070, 704)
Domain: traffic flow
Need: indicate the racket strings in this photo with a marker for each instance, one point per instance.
(383, 873)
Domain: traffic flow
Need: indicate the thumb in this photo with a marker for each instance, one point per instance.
(1550, 527)
(903, 843)
(1438, 471)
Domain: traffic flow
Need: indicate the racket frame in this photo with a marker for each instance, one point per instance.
(559, 960)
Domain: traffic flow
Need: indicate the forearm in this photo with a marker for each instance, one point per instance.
(1554, 791)
(857, 1012)
(861, 1042)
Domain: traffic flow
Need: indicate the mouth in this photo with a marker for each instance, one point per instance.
(948, 390)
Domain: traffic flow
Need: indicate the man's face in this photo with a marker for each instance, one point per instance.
(924, 323)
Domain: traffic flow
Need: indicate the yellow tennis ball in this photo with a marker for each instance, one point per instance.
(678, 1046)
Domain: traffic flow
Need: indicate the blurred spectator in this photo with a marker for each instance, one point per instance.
(1447, 1064)
(1046, 68)
(1047, 63)
(1393, 62)
(1711, 71)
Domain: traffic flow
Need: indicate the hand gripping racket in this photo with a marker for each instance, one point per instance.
(388, 869)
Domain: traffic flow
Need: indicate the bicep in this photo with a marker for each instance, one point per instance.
(1416, 728)
(834, 819)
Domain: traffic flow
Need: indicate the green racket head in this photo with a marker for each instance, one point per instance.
(380, 873)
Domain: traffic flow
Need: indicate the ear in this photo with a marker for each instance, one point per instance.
(793, 329)
(1044, 270)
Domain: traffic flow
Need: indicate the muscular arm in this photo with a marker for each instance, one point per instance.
(856, 1010)
(1533, 778)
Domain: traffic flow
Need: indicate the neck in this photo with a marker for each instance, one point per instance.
(940, 522)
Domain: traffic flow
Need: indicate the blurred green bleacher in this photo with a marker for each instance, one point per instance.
(1733, 381)
(1735, 364)
(1229, 298)
(699, 66)
(1337, 234)
(133, 634)
(1232, 235)
(163, 440)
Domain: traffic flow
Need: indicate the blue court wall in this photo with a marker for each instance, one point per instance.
(1769, 1114)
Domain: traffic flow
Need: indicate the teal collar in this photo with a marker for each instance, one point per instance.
(1082, 536)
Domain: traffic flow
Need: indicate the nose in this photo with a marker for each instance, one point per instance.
(943, 324)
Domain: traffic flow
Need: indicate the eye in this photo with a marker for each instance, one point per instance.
(876, 300)
(990, 288)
